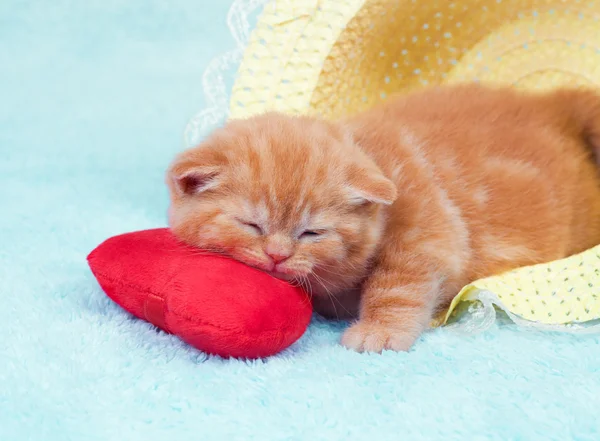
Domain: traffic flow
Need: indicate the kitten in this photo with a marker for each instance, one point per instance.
(404, 203)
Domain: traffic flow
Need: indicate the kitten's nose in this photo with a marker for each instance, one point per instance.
(278, 256)
(279, 249)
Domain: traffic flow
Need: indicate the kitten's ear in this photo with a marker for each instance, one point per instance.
(196, 180)
(371, 186)
(365, 180)
(187, 177)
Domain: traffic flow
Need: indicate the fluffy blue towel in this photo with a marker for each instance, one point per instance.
(94, 96)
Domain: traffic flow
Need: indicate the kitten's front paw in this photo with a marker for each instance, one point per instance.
(375, 337)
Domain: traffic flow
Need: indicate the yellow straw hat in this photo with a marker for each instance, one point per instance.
(337, 57)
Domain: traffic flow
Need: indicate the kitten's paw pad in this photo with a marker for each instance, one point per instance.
(375, 337)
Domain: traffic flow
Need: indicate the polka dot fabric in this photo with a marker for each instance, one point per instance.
(563, 291)
(337, 57)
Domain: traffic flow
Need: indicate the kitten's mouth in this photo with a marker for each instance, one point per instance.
(278, 271)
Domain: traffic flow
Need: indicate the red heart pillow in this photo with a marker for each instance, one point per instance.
(214, 303)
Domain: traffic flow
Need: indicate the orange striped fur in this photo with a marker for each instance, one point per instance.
(387, 214)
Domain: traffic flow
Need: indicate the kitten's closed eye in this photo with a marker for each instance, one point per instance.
(311, 234)
(252, 226)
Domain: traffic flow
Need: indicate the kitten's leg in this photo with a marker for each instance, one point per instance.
(398, 302)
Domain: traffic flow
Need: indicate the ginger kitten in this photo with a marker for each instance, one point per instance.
(401, 205)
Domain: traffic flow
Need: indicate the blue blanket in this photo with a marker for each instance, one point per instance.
(94, 96)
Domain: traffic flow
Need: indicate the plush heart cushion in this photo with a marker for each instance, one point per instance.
(214, 303)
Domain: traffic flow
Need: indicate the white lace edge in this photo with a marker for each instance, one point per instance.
(481, 316)
(213, 82)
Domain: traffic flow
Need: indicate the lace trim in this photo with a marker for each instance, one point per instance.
(213, 80)
(479, 314)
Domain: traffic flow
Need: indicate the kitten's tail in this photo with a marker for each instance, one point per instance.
(581, 107)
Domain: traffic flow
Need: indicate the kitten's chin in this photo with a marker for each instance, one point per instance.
(281, 276)
(288, 275)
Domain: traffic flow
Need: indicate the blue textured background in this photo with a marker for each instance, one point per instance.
(94, 96)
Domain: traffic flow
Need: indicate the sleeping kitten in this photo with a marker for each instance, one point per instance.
(404, 204)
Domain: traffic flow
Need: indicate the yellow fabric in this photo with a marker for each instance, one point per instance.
(563, 291)
(337, 57)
